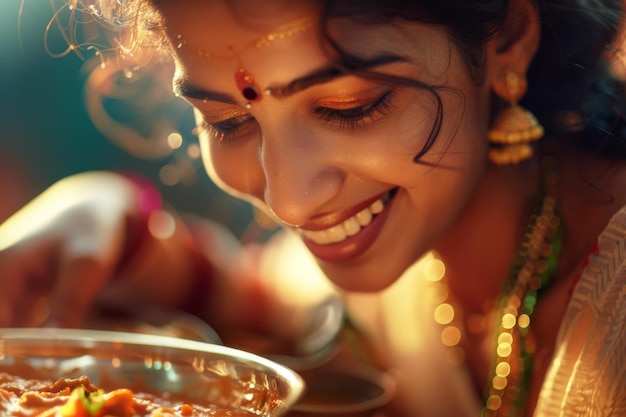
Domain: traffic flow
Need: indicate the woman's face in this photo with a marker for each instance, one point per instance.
(331, 156)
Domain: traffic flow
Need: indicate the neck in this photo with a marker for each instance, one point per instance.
(478, 251)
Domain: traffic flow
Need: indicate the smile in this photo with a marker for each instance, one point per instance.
(349, 227)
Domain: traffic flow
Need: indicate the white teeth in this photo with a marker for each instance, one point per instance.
(334, 234)
(347, 228)
(364, 217)
(377, 206)
(352, 226)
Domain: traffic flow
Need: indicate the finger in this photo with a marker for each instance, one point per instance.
(25, 276)
(80, 281)
(89, 252)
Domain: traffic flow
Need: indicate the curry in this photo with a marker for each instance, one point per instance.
(78, 397)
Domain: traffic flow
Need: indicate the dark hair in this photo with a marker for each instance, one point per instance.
(571, 88)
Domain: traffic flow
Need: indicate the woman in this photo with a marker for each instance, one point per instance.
(362, 128)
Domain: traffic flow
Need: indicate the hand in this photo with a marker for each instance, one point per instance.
(59, 251)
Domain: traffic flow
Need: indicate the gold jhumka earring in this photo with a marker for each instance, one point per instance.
(246, 84)
(514, 128)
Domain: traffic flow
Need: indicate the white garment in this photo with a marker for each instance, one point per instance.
(588, 372)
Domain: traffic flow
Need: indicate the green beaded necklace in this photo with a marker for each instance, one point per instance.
(533, 268)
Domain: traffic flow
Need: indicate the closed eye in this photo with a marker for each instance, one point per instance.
(356, 117)
(228, 129)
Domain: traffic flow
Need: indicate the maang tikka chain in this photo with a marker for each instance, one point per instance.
(246, 84)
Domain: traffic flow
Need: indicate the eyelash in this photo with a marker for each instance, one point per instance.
(226, 129)
(354, 118)
(348, 119)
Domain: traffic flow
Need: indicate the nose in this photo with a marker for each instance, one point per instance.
(300, 177)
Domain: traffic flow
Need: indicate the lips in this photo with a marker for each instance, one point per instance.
(353, 235)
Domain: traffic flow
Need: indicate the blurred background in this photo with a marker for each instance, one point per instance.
(46, 132)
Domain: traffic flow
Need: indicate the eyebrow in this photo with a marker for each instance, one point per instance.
(337, 69)
(183, 88)
(340, 68)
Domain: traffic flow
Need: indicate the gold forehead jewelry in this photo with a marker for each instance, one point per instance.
(249, 88)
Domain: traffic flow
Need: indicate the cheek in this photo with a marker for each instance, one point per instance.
(449, 126)
(464, 125)
(441, 182)
(463, 140)
(232, 169)
(460, 153)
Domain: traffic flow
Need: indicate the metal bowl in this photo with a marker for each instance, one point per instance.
(155, 320)
(202, 373)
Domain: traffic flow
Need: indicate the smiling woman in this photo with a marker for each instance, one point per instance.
(401, 146)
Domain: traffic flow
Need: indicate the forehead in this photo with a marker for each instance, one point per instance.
(227, 32)
(217, 26)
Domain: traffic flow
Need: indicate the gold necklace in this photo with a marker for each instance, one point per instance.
(533, 267)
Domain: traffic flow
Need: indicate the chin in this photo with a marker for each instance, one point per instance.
(361, 278)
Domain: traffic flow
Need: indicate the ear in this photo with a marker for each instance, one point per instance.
(515, 45)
